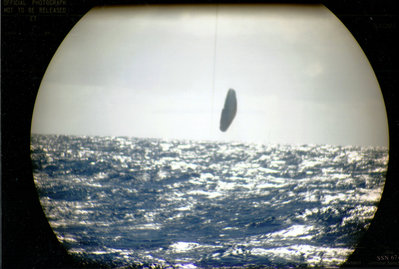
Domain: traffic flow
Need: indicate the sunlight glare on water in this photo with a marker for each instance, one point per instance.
(123, 201)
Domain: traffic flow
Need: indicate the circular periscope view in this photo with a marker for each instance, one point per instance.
(210, 136)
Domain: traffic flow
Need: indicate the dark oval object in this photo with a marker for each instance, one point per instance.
(229, 110)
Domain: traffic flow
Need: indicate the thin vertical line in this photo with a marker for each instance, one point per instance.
(214, 68)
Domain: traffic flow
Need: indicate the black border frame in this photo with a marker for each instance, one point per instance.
(28, 42)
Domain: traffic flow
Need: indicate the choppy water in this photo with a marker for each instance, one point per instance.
(125, 201)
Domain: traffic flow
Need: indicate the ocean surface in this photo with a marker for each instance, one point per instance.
(131, 201)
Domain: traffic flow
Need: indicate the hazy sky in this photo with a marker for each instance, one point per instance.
(164, 71)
